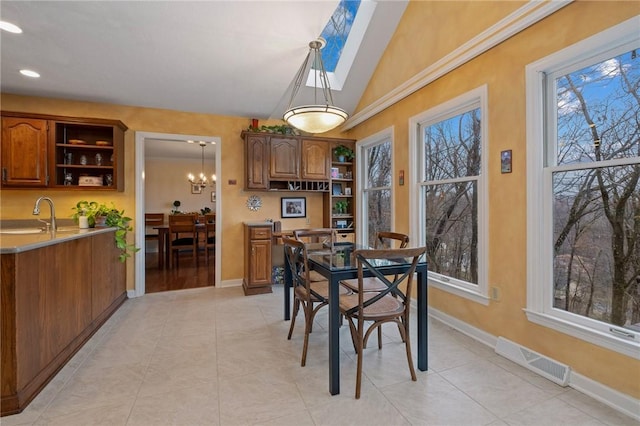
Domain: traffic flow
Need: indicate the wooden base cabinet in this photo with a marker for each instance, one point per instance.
(53, 299)
(257, 258)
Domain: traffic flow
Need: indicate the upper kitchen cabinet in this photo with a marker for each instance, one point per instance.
(24, 152)
(285, 158)
(315, 159)
(276, 162)
(257, 157)
(72, 153)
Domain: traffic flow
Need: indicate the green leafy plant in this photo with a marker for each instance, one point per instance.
(341, 206)
(343, 151)
(205, 210)
(95, 212)
(176, 204)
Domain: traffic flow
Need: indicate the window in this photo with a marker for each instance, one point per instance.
(375, 166)
(584, 190)
(451, 191)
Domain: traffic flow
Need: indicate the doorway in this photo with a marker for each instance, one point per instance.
(142, 138)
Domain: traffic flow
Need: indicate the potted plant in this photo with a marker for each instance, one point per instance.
(176, 204)
(341, 206)
(343, 153)
(98, 213)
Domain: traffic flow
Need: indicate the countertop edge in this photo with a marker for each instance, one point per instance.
(12, 243)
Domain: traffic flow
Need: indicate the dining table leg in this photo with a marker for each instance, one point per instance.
(334, 337)
(161, 247)
(422, 320)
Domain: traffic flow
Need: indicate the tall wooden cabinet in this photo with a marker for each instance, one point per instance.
(44, 151)
(257, 258)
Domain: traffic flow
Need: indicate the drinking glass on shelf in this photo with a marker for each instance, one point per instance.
(98, 159)
(83, 160)
(109, 179)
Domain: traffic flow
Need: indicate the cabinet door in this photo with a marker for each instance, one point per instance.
(316, 160)
(257, 163)
(285, 158)
(260, 262)
(24, 152)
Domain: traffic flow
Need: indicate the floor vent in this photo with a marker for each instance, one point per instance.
(546, 367)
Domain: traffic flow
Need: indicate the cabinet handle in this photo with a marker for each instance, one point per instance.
(4, 174)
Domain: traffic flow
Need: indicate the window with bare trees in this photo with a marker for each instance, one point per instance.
(375, 175)
(452, 192)
(590, 187)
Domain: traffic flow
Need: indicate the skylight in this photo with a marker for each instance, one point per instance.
(336, 32)
(343, 33)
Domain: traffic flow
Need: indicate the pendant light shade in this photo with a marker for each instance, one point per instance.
(318, 118)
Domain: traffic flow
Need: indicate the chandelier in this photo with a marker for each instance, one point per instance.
(318, 118)
(202, 180)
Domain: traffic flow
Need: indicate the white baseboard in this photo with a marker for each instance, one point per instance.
(619, 401)
(231, 283)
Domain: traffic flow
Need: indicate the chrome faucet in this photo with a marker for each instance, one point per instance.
(36, 211)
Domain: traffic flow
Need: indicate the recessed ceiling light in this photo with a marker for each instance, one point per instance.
(8, 26)
(30, 73)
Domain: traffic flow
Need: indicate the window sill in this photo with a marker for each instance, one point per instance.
(459, 291)
(626, 347)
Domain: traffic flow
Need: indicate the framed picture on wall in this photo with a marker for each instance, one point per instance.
(293, 207)
(196, 189)
(213, 196)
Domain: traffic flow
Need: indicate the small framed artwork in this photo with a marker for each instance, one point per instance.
(213, 196)
(196, 189)
(347, 191)
(505, 161)
(334, 172)
(293, 207)
(336, 189)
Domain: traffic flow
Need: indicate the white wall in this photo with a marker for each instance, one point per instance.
(166, 181)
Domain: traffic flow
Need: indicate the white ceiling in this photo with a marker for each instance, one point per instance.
(235, 58)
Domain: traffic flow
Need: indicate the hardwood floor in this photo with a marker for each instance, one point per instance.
(187, 275)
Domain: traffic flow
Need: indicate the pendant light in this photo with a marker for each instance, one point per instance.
(202, 180)
(318, 118)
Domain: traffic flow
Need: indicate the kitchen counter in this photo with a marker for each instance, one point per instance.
(18, 243)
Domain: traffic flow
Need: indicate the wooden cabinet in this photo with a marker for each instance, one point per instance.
(315, 159)
(53, 299)
(69, 152)
(24, 152)
(285, 158)
(257, 258)
(277, 162)
(339, 204)
(257, 158)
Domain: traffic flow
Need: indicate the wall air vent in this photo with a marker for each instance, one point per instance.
(546, 367)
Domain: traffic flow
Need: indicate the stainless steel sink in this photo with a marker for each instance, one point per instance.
(20, 231)
(28, 231)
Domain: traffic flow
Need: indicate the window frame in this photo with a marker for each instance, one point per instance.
(475, 98)
(540, 168)
(362, 145)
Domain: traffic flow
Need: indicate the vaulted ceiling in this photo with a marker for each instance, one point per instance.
(235, 58)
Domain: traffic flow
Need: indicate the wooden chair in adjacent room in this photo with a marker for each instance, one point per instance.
(182, 235)
(151, 220)
(310, 295)
(390, 305)
(210, 235)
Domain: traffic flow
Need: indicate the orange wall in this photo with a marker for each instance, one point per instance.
(18, 204)
(502, 69)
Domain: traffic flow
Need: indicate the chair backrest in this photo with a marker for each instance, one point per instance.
(179, 223)
(295, 254)
(366, 261)
(210, 223)
(210, 218)
(385, 239)
(317, 237)
(153, 219)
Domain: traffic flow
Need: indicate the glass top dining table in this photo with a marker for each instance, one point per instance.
(337, 263)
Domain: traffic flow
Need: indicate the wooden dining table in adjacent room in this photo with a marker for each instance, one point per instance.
(163, 240)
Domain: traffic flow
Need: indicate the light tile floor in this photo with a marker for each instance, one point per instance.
(215, 357)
